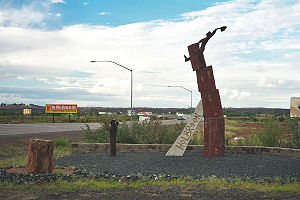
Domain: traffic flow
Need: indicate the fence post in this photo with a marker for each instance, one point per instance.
(113, 136)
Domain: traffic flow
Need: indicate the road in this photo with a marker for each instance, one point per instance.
(15, 129)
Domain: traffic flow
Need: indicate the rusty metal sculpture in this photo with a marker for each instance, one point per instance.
(214, 126)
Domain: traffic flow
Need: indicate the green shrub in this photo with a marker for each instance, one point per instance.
(197, 138)
(276, 133)
(61, 142)
(270, 136)
(151, 132)
(293, 130)
(100, 135)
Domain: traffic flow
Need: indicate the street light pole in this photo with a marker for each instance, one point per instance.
(131, 82)
(188, 91)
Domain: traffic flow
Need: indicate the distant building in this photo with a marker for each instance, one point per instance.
(295, 107)
(144, 116)
(105, 113)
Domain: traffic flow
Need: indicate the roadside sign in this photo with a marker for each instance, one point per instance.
(61, 108)
(26, 111)
(133, 112)
(144, 113)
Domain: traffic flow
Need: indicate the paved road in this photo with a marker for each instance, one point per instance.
(13, 129)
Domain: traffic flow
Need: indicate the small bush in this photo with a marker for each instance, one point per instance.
(270, 136)
(61, 142)
(293, 130)
(276, 133)
(151, 132)
(197, 138)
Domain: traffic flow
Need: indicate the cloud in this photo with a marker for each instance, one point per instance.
(85, 3)
(104, 13)
(255, 61)
(58, 15)
(57, 1)
(64, 94)
(27, 15)
(234, 94)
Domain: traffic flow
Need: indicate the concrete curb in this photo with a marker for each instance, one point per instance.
(81, 148)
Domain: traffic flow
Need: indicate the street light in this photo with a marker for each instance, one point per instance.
(188, 91)
(93, 61)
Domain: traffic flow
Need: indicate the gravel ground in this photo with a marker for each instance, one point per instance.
(191, 164)
(151, 193)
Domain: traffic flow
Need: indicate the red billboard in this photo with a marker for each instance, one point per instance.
(61, 108)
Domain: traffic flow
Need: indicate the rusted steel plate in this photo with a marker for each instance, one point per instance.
(212, 106)
(196, 57)
(214, 137)
(205, 79)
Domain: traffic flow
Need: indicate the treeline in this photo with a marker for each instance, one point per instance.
(17, 109)
(240, 112)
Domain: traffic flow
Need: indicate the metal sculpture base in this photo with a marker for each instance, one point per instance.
(214, 126)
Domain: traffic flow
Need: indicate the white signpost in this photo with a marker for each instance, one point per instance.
(179, 147)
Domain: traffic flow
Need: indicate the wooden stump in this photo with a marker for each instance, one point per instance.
(40, 156)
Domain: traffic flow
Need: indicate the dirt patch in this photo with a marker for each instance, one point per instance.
(248, 129)
(150, 192)
(55, 170)
(10, 122)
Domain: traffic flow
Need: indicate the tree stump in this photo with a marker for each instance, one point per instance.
(40, 156)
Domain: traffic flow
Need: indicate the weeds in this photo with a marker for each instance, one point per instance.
(152, 132)
(293, 129)
(276, 133)
(61, 142)
(15, 161)
(8, 150)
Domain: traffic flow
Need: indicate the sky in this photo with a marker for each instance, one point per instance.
(46, 47)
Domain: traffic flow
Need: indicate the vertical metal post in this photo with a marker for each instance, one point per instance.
(113, 137)
(53, 118)
(188, 91)
(131, 82)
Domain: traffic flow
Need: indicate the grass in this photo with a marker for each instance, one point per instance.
(210, 183)
(62, 147)
(8, 150)
(15, 161)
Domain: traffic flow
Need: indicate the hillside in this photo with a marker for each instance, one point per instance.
(9, 109)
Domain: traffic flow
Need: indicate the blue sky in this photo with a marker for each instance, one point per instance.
(120, 12)
(46, 46)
